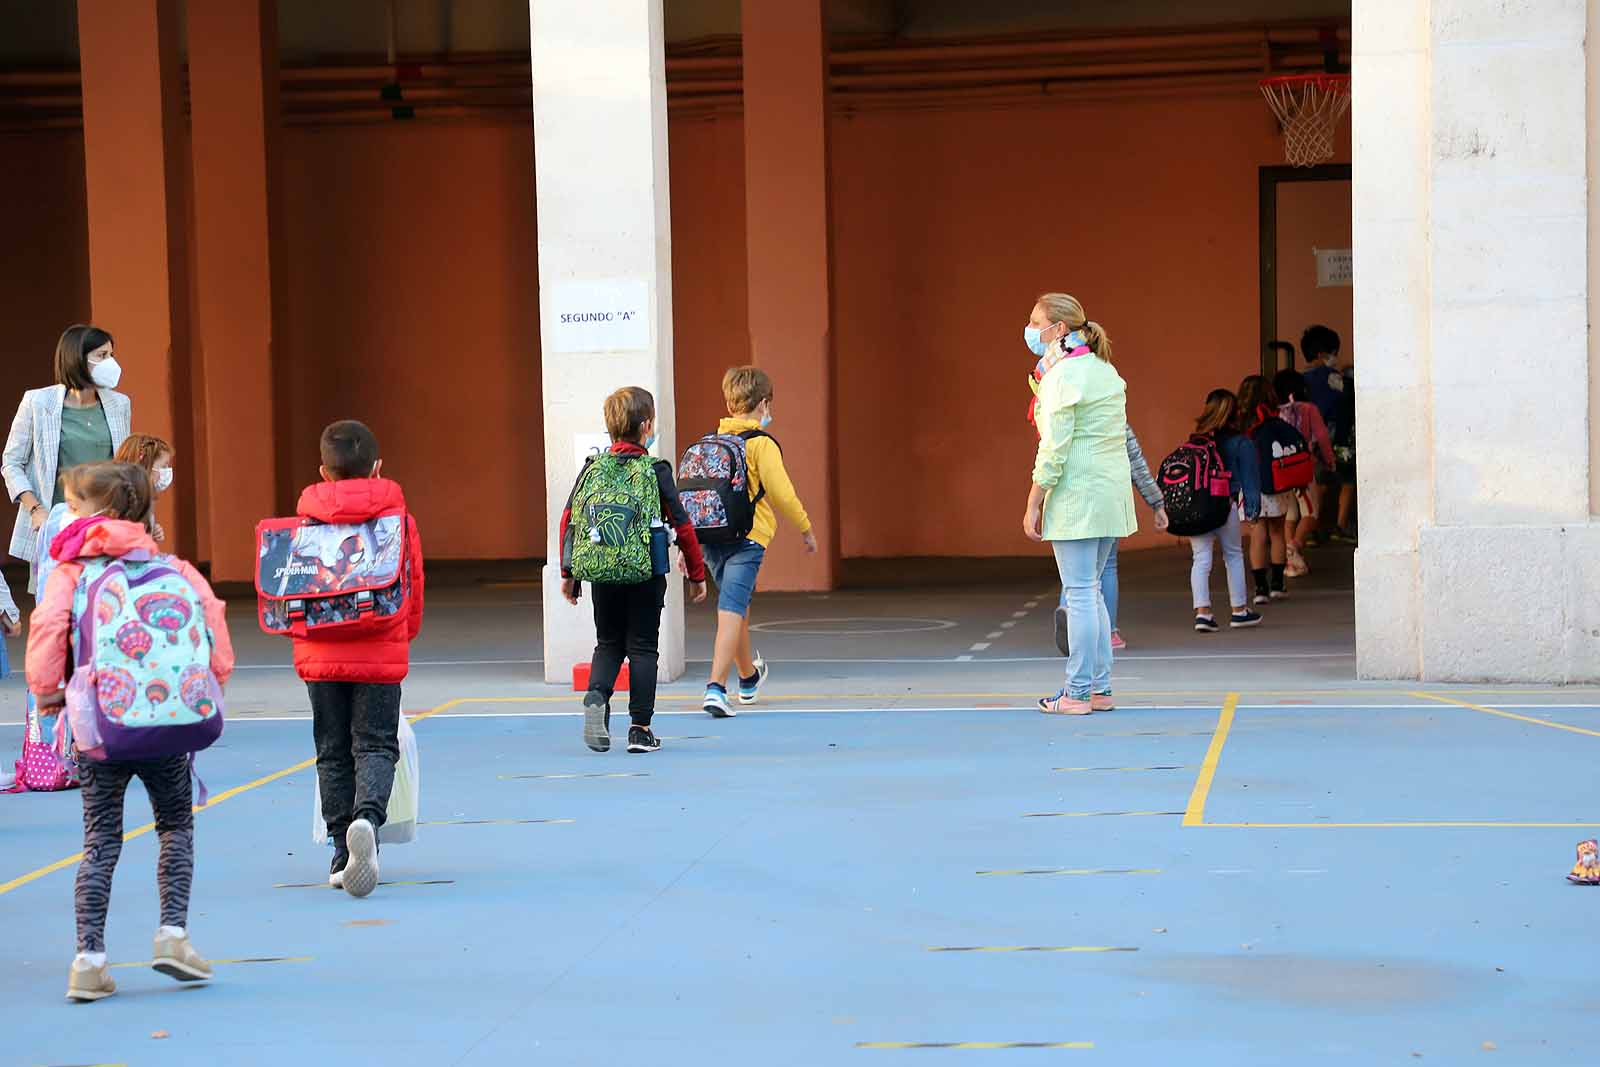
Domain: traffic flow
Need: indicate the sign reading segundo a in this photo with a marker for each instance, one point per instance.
(605, 315)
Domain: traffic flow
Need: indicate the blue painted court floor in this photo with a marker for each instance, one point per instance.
(1238, 883)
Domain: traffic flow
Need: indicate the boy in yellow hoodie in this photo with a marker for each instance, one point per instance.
(734, 566)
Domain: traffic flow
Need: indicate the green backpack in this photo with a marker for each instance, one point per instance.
(612, 509)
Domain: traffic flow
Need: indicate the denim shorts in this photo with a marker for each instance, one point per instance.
(734, 568)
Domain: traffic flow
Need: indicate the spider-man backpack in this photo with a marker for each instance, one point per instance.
(332, 579)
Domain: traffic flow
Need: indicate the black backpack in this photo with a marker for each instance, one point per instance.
(1196, 488)
(714, 485)
(1286, 462)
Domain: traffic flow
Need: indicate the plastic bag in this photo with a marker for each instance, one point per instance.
(400, 823)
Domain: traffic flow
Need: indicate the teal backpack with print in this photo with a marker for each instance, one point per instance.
(616, 502)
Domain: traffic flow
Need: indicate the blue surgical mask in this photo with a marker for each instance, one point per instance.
(1030, 335)
(766, 420)
(650, 442)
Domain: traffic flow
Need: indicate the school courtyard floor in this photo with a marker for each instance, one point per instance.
(1254, 860)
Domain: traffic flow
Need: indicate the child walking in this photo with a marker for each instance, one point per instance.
(1218, 422)
(354, 680)
(1297, 411)
(1269, 541)
(155, 456)
(627, 578)
(109, 502)
(748, 394)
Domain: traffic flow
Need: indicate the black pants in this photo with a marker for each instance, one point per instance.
(357, 729)
(627, 622)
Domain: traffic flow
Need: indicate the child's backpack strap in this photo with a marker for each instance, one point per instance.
(750, 435)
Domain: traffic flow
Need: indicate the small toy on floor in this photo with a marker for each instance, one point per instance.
(1587, 870)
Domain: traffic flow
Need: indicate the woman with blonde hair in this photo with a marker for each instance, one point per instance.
(1080, 501)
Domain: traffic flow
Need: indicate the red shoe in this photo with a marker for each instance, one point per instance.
(1117, 643)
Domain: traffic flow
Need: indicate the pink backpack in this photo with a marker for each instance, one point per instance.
(40, 770)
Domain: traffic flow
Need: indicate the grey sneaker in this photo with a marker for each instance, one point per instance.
(597, 722)
(361, 873)
(90, 983)
(176, 958)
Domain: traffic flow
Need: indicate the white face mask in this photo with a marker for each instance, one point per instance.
(106, 374)
(163, 479)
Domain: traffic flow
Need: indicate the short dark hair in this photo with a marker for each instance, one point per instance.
(1318, 341)
(349, 449)
(1289, 385)
(72, 354)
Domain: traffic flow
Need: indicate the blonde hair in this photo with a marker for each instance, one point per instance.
(1061, 307)
(744, 388)
(627, 410)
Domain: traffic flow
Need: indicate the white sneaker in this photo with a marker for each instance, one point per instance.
(716, 703)
(750, 694)
(361, 873)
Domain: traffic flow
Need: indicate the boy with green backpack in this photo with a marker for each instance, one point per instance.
(614, 536)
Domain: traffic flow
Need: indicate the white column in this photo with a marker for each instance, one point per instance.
(600, 163)
(1472, 309)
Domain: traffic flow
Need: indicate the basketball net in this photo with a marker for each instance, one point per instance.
(1308, 107)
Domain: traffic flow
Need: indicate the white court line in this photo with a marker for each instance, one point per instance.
(994, 635)
(980, 646)
(1019, 614)
(1008, 624)
(755, 712)
(909, 660)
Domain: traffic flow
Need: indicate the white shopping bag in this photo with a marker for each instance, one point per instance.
(400, 824)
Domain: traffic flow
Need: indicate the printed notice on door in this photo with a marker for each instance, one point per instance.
(1333, 267)
(608, 315)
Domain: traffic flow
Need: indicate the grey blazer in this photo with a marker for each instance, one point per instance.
(34, 448)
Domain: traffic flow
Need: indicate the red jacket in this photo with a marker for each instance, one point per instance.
(376, 656)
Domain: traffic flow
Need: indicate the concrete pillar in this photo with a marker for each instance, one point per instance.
(1471, 320)
(789, 260)
(605, 262)
(233, 80)
(134, 155)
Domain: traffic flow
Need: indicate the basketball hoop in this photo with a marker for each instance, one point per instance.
(1308, 107)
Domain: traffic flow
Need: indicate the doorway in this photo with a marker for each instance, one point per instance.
(1305, 256)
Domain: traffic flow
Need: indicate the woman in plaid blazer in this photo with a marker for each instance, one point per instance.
(101, 418)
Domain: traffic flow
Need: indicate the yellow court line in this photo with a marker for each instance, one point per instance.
(1195, 815)
(31, 876)
(1397, 825)
(1508, 714)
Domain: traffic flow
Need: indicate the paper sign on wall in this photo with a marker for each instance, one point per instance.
(609, 315)
(585, 445)
(1333, 267)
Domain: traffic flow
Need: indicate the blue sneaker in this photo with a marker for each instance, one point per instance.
(750, 688)
(716, 702)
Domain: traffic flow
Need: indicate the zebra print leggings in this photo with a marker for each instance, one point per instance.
(104, 787)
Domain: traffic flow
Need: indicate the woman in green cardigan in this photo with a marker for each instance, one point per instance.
(1080, 501)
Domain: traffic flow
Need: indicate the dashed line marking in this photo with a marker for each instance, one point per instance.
(1163, 767)
(229, 963)
(1019, 614)
(1030, 948)
(1008, 624)
(498, 823)
(974, 1044)
(981, 646)
(1076, 871)
(994, 635)
(1092, 814)
(963, 659)
(570, 777)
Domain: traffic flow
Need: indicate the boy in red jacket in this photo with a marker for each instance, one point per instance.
(355, 681)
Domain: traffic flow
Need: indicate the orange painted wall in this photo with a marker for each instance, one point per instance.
(44, 273)
(1313, 215)
(413, 305)
(412, 299)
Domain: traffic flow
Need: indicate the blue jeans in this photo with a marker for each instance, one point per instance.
(1110, 587)
(1082, 564)
(734, 569)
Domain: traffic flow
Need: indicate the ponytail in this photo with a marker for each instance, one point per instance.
(1062, 307)
(1096, 336)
